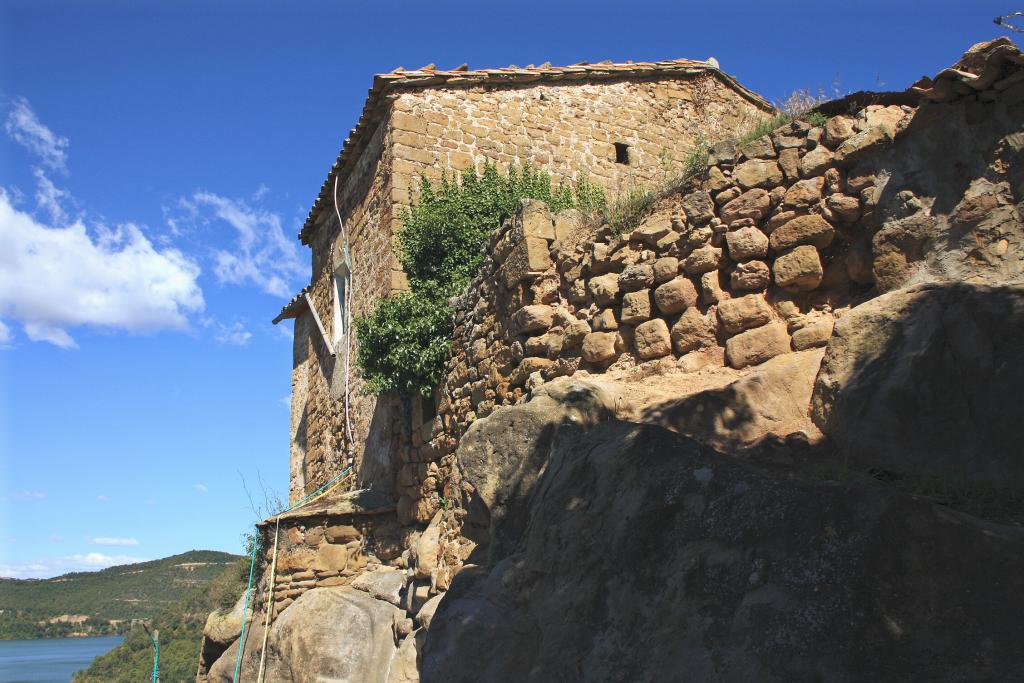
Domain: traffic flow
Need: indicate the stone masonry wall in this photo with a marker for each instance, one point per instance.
(758, 258)
(318, 379)
(569, 129)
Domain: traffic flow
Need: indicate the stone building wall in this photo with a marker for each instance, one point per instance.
(566, 128)
(757, 259)
(569, 129)
(318, 449)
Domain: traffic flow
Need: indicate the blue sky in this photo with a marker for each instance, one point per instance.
(156, 162)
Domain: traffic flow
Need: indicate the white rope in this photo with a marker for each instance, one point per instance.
(270, 603)
(349, 280)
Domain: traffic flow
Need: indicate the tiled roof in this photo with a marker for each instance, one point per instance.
(293, 307)
(429, 76)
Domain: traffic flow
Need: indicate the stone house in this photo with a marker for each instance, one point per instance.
(616, 124)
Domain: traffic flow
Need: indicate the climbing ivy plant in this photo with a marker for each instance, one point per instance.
(405, 341)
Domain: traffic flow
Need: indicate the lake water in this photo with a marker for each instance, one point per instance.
(52, 660)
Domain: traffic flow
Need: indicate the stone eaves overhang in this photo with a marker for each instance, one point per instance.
(378, 101)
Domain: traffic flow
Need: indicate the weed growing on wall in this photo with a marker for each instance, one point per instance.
(404, 342)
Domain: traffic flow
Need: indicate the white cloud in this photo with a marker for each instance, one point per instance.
(54, 566)
(202, 488)
(107, 540)
(55, 278)
(101, 498)
(50, 198)
(234, 334)
(26, 129)
(30, 495)
(261, 255)
(56, 538)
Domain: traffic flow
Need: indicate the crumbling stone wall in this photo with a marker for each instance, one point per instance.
(756, 259)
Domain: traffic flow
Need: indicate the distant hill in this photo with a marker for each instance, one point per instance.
(104, 602)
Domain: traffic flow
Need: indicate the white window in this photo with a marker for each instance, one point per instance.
(340, 292)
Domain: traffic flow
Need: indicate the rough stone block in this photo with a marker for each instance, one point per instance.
(751, 204)
(703, 260)
(799, 269)
(639, 276)
(698, 207)
(330, 557)
(752, 276)
(675, 296)
(652, 339)
(746, 244)
(533, 318)
(665, 269)
(813, 335)
(528, 258)
(816, 162)
(533, 220)
(599, 347)
(744, 313)
(811, 229)
(757, 345)
(636, 307)
(804, 193)
(757, 173)
(605, 288)
(605, 320)
(693, 330)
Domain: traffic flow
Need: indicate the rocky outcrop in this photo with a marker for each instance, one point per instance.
(923, 383)
(632, 553)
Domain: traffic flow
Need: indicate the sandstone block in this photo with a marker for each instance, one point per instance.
(727, 195)
(636, 307)
(746, 244)
(599, 347)
(652, 339)
(843, 207)
(789, 162)
(698, 207)
(711, 289)
(528, 257)
(716, 180)
(675, 296)
(665, 269)
(693, 330)
(702, 260)
(314, 536)
(574, 333)
(761, 148)
(811, 229)
(757, 345)
(862, 144)
(534, 220)
(757, 173)
(722, 153)
(813, 335)
(527, 367)
(605, 288)
(605, 320)
(330, 557)
(752, 276)
(804, 193)
(799, 269)
(342, 533)
(744, 313)
(636, 277)
(751, 204)
(816, 162)
(837, 129)
(652, 230)
(533, 318)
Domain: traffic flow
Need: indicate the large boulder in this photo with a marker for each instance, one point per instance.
(333, 634)
(925, 382)
(630, 553)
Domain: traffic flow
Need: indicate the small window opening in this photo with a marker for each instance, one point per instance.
(621, 153)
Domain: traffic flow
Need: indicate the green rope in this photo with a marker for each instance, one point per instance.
(245, 609)
(252, 567)
(156, 660)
